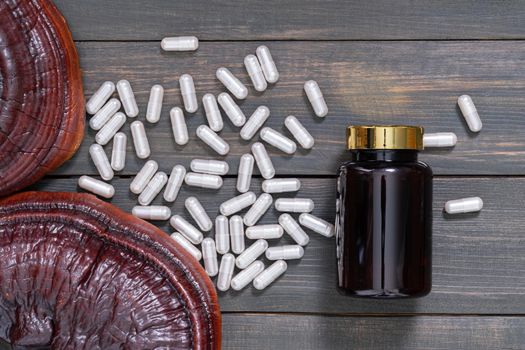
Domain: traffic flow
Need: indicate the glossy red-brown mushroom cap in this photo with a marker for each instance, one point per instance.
(79, 273)
(41, 100)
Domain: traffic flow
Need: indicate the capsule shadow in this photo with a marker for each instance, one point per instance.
(461, 216)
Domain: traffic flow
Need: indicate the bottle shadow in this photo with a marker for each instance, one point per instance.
(363, 329)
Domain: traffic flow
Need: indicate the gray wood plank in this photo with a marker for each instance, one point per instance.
(315, 332)
(363, 82)
(479, 259)
(300, 332)
(294, 19)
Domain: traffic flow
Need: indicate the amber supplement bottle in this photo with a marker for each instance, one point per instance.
(384, 218)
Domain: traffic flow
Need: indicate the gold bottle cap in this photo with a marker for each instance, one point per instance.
(384, 137)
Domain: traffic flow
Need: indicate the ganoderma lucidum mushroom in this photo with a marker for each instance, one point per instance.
(41, 99)
(79, 273)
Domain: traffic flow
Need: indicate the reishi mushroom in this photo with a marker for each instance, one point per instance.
(77, 272)
(41, 98)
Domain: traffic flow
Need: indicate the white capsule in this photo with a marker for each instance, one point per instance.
(198, 213)
(142, 178)
(232, 109)
(285, 252)
(104, 114)
(264, 163)
(222, 234)
(237, 234)
(440, 139)
(127, 97)
(178, 126)
(293, 229)
(470, 113)
(110, 128)
(294, 205)
(272, 231)
(140, 139)
(209, 166)
(265, 278)
(155, 104)
(299, 132)
(244, 176)
(281, 185)
(118, 153)
(96, 186)
(101, 161)
(316, 98)
(210, 257)
(100, 97)
(238, 203)
(203, 180)
(257, 119)
(180, 43)
(153, 188)
(317, 224)
(213, 114)
(225, 272)
(278, 140)
(188, 230)
(464, 205)
(187, 90)
(243, 278)
(251, 254)
(255, 72)
(209, 137)
(187, 245)
(231, 82)
(267, 64)
(174, 183)
(257, 210)
(151, 212)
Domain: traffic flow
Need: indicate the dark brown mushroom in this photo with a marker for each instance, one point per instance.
(41, 100)
(79, 273)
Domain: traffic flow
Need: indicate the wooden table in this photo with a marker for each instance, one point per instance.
(377, 61)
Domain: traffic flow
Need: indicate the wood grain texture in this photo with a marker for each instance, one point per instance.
(294, 19)
(479, 259)
(298, 332)
(364, 83)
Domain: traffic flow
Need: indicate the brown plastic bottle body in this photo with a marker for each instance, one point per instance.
(384, 225)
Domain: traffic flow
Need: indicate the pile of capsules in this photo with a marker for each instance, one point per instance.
(230, 229)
